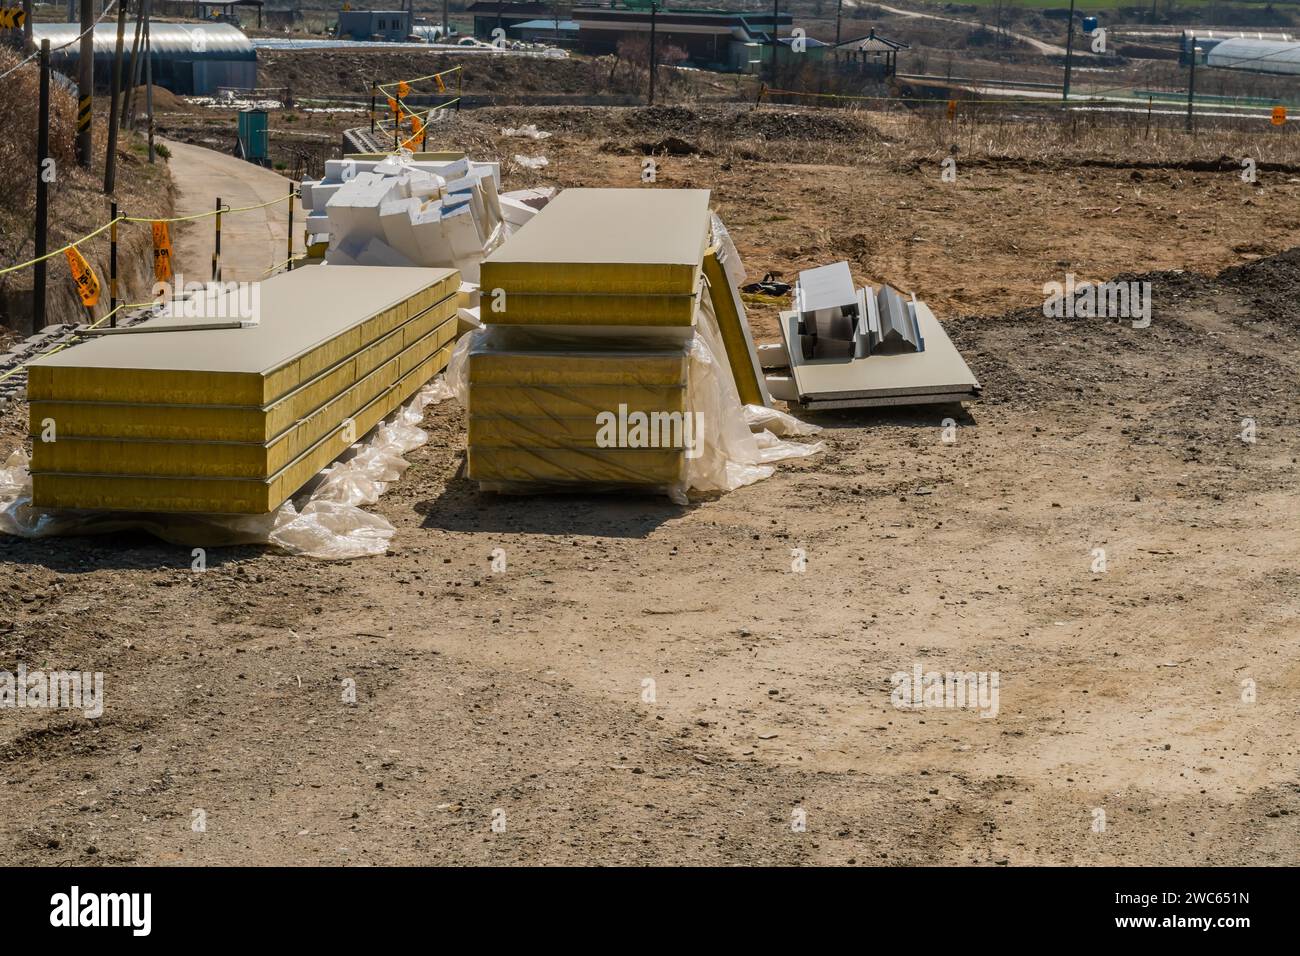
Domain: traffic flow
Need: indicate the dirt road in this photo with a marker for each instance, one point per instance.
(253, 241)
(1041, 46)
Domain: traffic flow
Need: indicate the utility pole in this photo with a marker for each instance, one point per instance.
(133, 70)
(1069, 53)
(776, 12)
(42, 192)
(110, 154)
(446, 28)
(1191, 85)
(148, 73)
(86, 85)
(27, 24)
(839, 9)
(654, 10)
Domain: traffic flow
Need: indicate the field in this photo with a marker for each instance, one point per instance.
(1155, 692)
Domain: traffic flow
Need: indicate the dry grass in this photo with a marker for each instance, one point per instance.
(19, 114)
(77, 201)
(897, 137)
(989, 132)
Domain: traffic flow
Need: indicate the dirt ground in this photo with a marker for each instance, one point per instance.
(1125, 694)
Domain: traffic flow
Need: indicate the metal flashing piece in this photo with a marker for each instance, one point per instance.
(827, 305)
(898, 327)
(936, 373)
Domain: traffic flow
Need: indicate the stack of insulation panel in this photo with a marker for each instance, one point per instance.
(591, 308)
(236, 420)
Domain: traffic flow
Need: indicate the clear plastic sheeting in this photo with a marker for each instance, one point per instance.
(327, 520)
(726, 453)
(779, 423)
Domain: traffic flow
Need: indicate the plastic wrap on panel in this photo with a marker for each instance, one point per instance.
(779, 423)
(579, 411)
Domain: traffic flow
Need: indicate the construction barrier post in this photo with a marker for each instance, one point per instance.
(374, 92)
(42, 192)
(290, 261)
(459, 75)
(112, 266)
(216, 246)
(762, 88)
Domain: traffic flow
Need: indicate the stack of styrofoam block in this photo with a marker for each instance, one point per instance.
(402, 211)
(520, 206)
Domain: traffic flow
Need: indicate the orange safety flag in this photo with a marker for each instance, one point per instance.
(1279, 116)
(952, 108)
(403, 89)
(162, 253)
(442, 87)
(84, 277)
(416, 125)
(392, 104)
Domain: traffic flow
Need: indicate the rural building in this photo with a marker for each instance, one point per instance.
(392, 25)
(1258, 56)
(1207, 40)
(190, 59)
(560, 31)
(720, 39)
(871, 54)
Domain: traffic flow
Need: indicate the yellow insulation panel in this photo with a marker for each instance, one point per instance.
(570, 402)
(625, 241)
(526, 308)
(735, 337)
(235, 423)
(221, 495)
(565, 466)
(308, 320)
(663, 430)
(653, 369)
(232, 459)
